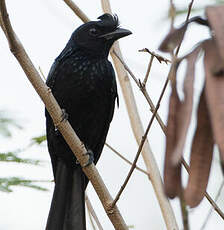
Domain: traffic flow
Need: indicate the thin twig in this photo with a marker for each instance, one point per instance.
(92, 213)
(137, 155)
(184, 212)
(157, 56)
(148, 71)
(91, 220)
(183, 206)
(208, 197)
(187, 18)
(125, 159)
(211, 209)
(143, 90)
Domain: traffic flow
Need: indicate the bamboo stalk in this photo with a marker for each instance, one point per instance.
(63, 125)
(138, 131)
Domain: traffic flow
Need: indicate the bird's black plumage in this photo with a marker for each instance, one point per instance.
(83, 82)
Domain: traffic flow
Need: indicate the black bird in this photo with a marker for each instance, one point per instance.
(83, 82)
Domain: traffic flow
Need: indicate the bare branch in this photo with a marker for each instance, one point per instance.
(208, 197)
(211, 209)
(93, 214)
(64, 127)
(136, 157)
(148, 71)
(184, 212)
(187, 18)
(157, 56)
(143, 90)
(126, 160)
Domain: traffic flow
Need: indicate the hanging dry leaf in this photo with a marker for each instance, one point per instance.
(215, 16)
(172, 173)
(173, 39)
(185, 110)
(175, 36)
(201, 157)
(214, 87)
(210, 111)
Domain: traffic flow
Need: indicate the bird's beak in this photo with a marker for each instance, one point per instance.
(116, 34)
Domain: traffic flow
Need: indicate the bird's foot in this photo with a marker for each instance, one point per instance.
(64, 115)
(91, 158)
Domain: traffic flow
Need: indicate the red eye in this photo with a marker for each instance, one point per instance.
(93, 32)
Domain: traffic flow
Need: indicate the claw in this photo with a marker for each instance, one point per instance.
(64, 115)
(91, 158)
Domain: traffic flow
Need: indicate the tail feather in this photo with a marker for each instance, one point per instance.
(67, 210)
(75, 210)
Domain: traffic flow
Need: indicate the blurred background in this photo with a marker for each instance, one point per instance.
(44, 28)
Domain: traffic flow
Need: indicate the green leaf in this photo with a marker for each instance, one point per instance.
(38, 140)
(6, 123)
(7, 183)
(12, 157)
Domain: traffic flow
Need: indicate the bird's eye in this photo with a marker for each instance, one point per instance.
(93, 32)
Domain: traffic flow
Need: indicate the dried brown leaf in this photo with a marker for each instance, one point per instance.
(215, 16)
(201, 157)
(172, 173)
(173, 39)
(214, 88)
(185, 110)
(175, 36)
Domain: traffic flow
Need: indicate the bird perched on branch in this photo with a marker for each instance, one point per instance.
(83, 82)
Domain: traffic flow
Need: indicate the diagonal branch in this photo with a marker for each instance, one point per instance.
(211, 209)
(143, 90)
(56, 113)
(136, 157)
(126, 160)
(92, 214)
(148, 71)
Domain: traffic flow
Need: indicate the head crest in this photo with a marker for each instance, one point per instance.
(109, 21)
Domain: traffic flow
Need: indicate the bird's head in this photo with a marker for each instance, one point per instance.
(97, 37)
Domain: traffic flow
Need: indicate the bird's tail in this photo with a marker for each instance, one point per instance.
(67, 210)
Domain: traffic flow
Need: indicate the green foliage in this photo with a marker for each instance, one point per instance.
(8, 182)
(39, 140)
(6, 123)
(13, 157)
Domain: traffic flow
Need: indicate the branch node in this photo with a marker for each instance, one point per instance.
(110, 208)
(49, 90)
